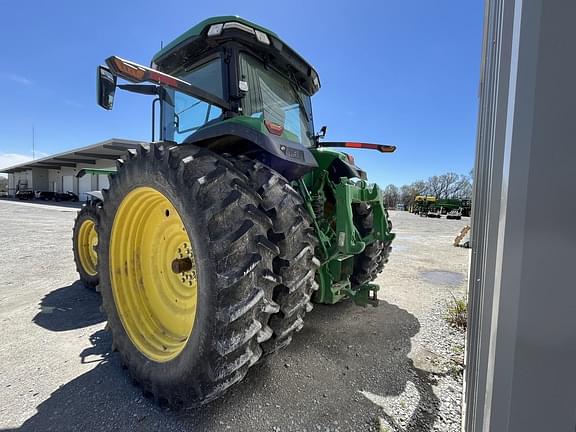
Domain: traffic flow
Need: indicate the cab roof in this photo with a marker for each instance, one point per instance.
(197, 39)
(196, 31)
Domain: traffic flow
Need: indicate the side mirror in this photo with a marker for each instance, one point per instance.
(105, 87)
(322, 132)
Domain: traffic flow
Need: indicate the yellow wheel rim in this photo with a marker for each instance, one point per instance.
(153, 274)
(87, 242)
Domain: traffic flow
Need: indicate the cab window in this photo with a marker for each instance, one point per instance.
(184, 114)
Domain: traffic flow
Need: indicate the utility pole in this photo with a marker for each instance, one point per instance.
(33, 153)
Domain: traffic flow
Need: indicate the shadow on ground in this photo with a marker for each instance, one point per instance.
(68, 308)
(316, 381)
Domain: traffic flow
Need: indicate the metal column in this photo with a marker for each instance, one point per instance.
(522, 333)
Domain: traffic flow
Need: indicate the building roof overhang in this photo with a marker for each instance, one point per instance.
(111, 149)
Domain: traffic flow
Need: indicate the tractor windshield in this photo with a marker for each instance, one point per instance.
(274, 98)
(184, 114)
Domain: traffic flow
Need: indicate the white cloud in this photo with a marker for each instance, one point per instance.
(10, 159)
(20, 79)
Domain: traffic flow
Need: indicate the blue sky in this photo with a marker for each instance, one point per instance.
(395, 72)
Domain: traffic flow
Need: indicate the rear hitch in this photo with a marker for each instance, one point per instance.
(364, 295)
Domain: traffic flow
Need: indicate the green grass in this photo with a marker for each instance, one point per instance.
(457, 313)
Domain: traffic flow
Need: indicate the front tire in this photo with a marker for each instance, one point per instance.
(186, 272)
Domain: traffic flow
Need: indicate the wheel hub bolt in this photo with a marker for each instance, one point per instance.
(181, 265)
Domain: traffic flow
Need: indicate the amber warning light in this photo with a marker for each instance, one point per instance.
(360, 145)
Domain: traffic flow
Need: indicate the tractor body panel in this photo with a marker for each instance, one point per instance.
(338, 164)
(247, 136)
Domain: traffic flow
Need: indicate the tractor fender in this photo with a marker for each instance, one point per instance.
(337, 164)
(290, 159)
(339, 168)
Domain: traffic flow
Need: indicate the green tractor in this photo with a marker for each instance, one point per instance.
(213, 242)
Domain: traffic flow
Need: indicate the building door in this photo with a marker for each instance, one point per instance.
(67, 183)
(84, 185)
(103, 182)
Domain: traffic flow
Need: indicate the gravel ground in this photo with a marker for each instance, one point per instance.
(396, 367)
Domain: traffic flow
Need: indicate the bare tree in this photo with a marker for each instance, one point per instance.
(442, 186)
(450, 181)
(448, 185)
(409, 192)
(391, 196)
(462, 188)
(434, 186)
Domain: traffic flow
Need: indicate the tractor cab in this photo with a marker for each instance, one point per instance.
(265, 82)
(229, 85)
(232, 86)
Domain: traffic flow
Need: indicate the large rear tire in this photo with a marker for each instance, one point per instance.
(84, 243)
(371, 261)
(296, 264)
(186, 272)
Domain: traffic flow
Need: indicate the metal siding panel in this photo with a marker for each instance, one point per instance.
(67, 183)
(84, 185)
(103, 182)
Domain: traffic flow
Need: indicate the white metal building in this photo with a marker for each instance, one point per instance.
(57, 173)
(521, 344)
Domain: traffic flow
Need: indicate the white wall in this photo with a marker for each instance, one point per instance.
(54, 181)
(69, 183)
(84, 185)
(40, 178)
(24, 177)
(55, 176)
(103, 182)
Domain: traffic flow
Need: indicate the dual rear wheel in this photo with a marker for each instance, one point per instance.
(205, 267)
(205, 264)
(370, 263)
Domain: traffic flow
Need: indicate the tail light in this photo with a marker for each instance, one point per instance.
(274, 128)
